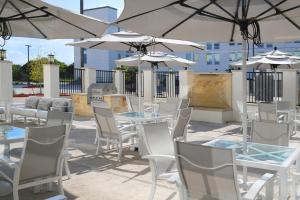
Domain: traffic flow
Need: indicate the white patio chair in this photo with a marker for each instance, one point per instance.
(296, 186)
(288, 109)
(210, 173)
(171, 109)
(133, 103)
(109, 131)
(270, 133)
(160, 149)
(268, 112)
(180, 130)
(41, 161)
(56, 118)
(58, 197)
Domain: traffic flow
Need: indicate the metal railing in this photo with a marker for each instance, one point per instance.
(130, 85)
(261, 86)
(167, 84)
(105, 76)
(70, 83)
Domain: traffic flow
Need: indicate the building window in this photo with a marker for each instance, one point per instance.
(231, 43)
(188, 56)
(269, 45)
(216, 45)
(119, 56)
(84, 56)
(217, 58)
(239, 44)
(209, 46)
(209, 58)
(232, 56)
(239, 56)
(261, 45)
(196, 57)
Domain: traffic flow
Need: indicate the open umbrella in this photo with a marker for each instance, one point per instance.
(216, 20)
(37, 19)
(155, 59)
(129, 41)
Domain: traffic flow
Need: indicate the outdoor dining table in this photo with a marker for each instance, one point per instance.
(139, 118)
(263, 156)
(9, 135)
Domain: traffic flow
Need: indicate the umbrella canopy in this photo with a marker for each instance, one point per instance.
(206, 20)
(155, 59)
(129, 41)
(37, 19)
(271, 59)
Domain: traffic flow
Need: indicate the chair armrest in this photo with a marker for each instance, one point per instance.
(127, 127)
(153, 157)
(258, 186)
(9, 163)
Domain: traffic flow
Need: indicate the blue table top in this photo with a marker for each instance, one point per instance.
(11, 133)
(271, 154)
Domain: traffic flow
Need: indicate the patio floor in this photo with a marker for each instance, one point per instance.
(103, 178)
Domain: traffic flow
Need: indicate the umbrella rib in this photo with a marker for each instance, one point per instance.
(266, 11)
(149, 11)
(166, 47)
(59, 18)
(236, 16)
(32, 24)
(30, 11)
(226, 11)
(95, 45)
(2, 8)
(183, 21)
(280, 12)
(248, 6)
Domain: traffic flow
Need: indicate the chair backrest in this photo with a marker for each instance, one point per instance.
(207, 172)
(42, 154)
(182, 122)
(270, 133)
(133, 103)
(184, 103)
(284, 105)
(106, 123)
(240, 106)
(56, 118)
(267, 112)
(158, 139)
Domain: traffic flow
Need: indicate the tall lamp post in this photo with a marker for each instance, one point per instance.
(81, 49)
(27, 66)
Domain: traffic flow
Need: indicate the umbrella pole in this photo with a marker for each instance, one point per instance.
(276, 86)
(139, 79)
(244, 100)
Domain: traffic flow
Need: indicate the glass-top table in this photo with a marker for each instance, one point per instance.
(263, 156)
(11, 134)
(141, 116)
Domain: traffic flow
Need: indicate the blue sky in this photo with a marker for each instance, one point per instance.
(17, 51)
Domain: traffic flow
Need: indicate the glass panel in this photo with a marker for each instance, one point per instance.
(11, 132)
(216, 45)
(209, 46)
(84, 56)
(256, 152)
(231, 43)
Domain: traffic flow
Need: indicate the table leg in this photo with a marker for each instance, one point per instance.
(283, 184)
(6, 150)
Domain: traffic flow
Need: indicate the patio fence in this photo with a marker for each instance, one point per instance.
(105, 76)
(167, 84)
(130, 85)
(70, 83)
(261, 86)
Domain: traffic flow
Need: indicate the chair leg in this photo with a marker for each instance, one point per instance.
(120, 151)
(60, 186)
(15, 193)
(96, 137)
(11, 118)
(67, 169)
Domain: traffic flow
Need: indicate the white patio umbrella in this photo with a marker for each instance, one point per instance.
(207, 20)
(273, 59)
(129, 41)
(155, 59)
(37, 19)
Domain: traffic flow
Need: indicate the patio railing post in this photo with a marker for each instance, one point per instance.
(289, 86)
(119, 81)
(6, 84)
(237, 79)
(89, 77)
(148, 85)
(184, 83)
(51, 80)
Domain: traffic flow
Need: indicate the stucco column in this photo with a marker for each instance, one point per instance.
(90, 77)
(148, 85)
(237, 89)
(184, 83)
(51, 80)
(119, 81)
(6, 84)
(289, 86)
